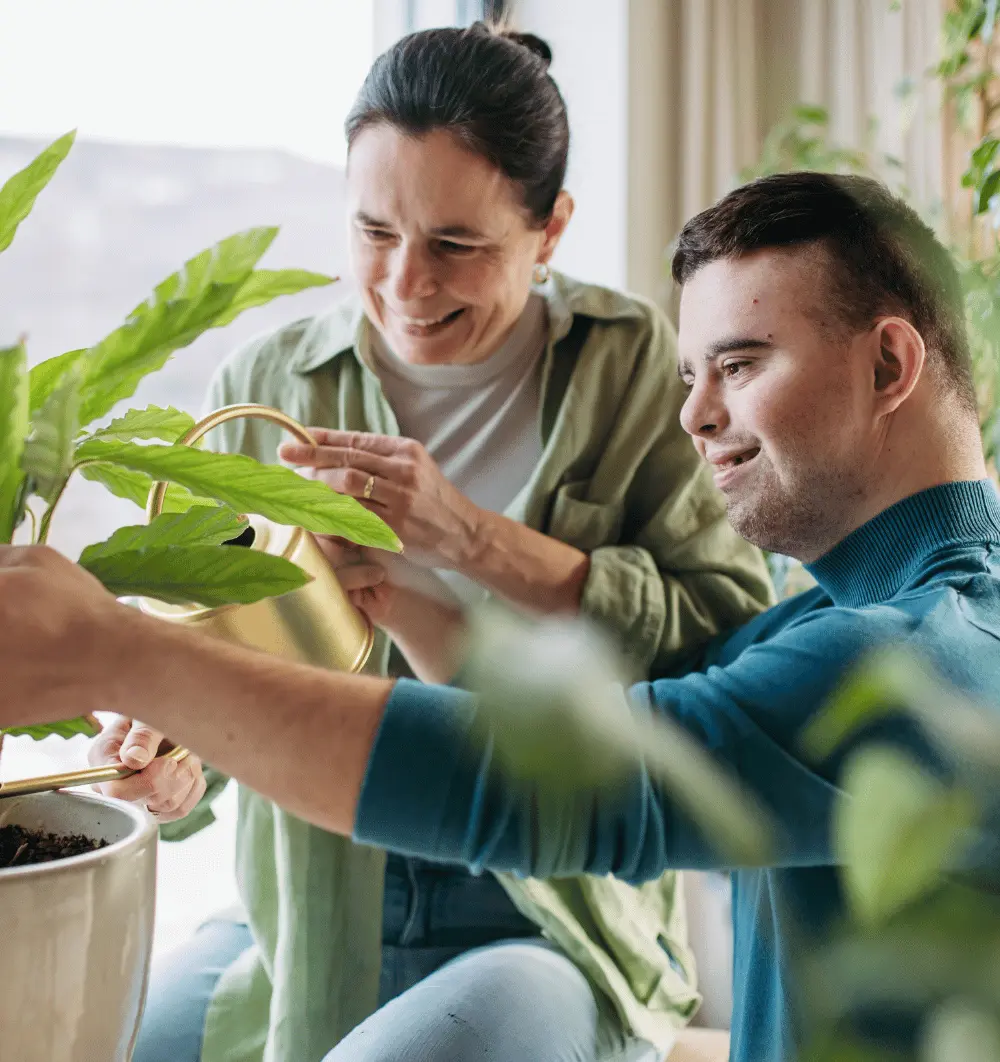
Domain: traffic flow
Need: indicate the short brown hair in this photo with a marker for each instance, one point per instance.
(885, 259)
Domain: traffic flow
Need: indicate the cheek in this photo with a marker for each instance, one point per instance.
(367, 263)
(486, 284)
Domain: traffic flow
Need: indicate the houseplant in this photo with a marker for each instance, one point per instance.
(77, 871)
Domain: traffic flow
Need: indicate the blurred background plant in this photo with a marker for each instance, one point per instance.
(918, 943)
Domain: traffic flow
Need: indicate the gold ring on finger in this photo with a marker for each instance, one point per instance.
(369, 488)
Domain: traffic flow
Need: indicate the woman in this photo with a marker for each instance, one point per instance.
(520, 432)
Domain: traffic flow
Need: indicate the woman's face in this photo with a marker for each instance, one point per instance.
(441, 247)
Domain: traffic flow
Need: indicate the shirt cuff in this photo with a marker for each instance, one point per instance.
(421, 757)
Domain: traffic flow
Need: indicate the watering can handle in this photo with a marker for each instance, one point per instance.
(235, 412)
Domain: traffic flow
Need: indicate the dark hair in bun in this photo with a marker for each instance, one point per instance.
(531, 42)
(488, 86)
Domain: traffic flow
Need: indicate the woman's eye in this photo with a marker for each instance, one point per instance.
(455, 248)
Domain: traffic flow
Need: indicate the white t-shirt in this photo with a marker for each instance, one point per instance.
(479, 422)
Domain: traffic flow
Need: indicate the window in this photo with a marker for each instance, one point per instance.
(196, 119)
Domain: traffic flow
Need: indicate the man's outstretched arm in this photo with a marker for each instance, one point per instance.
(401, 766)
(299, 735)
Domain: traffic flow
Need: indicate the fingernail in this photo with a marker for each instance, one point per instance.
(137, 755)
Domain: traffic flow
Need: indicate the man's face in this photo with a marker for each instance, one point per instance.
(780, 400)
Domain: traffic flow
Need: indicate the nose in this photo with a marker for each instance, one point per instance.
(412, 273)
(703, 413)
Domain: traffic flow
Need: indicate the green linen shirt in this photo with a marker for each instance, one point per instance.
(619, 479)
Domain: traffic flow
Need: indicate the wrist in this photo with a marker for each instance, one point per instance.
(474, 541)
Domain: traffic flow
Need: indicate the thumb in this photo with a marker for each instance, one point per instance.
(141, 746)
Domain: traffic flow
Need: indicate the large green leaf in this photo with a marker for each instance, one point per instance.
(13, 429)
(48, 453)
(135, 487)
(551, 708)
(179, 310)
(263, 285)
(202, 575)
(66, 729)
(45, 376)
(961, 1031)
(18, 195)
(250, 487)
(897, 831)
(204, 525)
(892, 682)
(150, 423)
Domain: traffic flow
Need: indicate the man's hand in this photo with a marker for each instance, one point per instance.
(63, 648)
(167, 789)
(399, 481)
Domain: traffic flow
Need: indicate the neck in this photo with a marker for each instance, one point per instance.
(914, 454)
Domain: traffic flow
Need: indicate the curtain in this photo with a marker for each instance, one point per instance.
(708, 78)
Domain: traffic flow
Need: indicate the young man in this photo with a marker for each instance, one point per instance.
(822, 339)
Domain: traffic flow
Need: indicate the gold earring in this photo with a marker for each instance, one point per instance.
(541, 273)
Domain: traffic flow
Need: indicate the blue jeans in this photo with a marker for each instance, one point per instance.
(464, 977)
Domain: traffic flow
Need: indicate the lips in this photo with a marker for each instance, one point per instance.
(724, 462)
(427, 325)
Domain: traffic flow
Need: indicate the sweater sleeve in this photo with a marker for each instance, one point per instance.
(433, 788)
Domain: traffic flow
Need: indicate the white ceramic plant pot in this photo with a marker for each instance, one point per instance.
(76, 934)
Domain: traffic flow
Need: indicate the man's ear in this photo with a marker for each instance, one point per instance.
(898, 356)
(561, 213)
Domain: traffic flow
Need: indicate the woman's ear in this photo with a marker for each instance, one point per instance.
(561, 214)
(898, 359)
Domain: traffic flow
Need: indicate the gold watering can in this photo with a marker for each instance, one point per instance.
(316, 624)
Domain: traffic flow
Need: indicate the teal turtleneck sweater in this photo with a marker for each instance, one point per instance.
(924, 574)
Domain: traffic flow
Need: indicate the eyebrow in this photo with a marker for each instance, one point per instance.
(729, 346)
(462, 232)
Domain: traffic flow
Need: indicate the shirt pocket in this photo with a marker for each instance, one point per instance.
(583, 523)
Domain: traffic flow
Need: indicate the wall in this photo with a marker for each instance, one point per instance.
(590, 58)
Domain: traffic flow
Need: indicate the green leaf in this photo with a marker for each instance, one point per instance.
(204, 525)
(179, 310)
(150, 423)
(263, 285)
(989, 189)
(13, 429)
(201, 575)
(811, 114)
(250, 487)
(48, 452)
(552, 709)
(961, 1031)
(18, 195)
(66, 729)
(897, 831)
(45, 376)
(135, 487)
(894, 682)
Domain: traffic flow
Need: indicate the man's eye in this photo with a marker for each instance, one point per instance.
(377, 235)
(733, 368)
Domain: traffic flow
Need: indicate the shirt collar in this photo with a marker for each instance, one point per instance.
(877, 560)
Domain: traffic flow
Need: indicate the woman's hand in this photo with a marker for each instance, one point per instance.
(399, 481)
(168, 789)
(410, 604)
(363, 577)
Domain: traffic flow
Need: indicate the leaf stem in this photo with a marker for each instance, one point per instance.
(43, 531)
